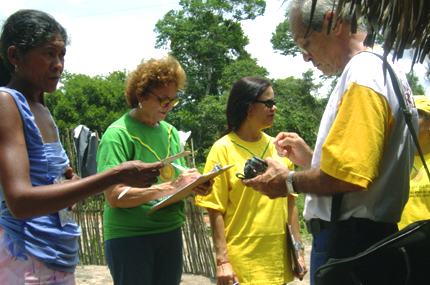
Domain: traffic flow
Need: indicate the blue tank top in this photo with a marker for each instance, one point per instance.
(42, 237)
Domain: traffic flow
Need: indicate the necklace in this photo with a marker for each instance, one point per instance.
(167, 172)
(245, 148)
(421, 167)
(418, 174)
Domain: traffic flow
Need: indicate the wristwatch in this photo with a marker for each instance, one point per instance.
(289, 183)
(298, 246)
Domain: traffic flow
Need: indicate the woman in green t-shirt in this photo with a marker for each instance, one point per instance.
(140, 247)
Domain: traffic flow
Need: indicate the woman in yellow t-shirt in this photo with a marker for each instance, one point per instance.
(418, 206)
(248, 229)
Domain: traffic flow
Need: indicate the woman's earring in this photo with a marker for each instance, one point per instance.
(16, 68)
(140, 105)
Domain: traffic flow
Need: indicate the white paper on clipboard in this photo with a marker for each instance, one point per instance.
(188, 189)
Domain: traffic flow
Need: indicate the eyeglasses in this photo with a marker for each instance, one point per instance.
(269, 103)
(307, 36)
(302, 50)
(164, 102)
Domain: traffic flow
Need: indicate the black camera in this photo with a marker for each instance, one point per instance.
(253, 167)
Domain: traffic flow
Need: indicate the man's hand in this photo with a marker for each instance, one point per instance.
(272, 182)
(293, 147)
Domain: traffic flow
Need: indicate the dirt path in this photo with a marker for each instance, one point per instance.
(99, 275)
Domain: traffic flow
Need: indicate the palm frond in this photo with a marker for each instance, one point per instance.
(404, 24)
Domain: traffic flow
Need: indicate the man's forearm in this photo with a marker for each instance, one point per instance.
(315, 181)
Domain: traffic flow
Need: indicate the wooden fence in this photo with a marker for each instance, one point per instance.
(198, 255)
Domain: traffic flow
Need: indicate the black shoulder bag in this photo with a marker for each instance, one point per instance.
(401, 258)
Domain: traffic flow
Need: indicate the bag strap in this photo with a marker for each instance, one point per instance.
(334, 218)
(407, 114)
(337, 199)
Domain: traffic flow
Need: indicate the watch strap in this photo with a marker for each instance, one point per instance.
(289, 183)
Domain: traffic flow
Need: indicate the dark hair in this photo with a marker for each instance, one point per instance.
(244, 92)
(26, 29)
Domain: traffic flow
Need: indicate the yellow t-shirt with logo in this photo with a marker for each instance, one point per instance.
(418, 206)
(254, 224)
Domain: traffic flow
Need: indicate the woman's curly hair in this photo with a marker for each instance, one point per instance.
(152, 74)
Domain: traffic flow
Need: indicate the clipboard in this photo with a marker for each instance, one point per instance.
(296, 267)
(188, 189)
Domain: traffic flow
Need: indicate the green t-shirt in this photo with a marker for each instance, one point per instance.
(128, 139)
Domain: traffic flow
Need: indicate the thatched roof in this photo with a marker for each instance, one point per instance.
(403, 23)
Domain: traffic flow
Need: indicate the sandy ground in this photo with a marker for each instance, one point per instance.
(99, 275)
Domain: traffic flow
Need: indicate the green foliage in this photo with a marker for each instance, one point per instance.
(95, 102)
(282, 40)
(298, 110)
(306, 237)
(237, 9)
(206, 122)
(206, 37)
(417, 88)
(239, 69)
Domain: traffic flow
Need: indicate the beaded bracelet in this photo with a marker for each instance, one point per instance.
(222, 262)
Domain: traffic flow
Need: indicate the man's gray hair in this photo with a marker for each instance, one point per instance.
(321, 9)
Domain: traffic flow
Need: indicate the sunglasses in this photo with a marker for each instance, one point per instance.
(164, 102)
(269, 103)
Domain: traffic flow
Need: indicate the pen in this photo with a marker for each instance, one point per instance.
(237, 283)
(179, 167)
(123, 192)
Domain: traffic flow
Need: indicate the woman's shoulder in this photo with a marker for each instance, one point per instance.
(11, 98)
(168, 126)
(116, 128)
(224, 143)
(7, 93)
(267, 137)
(225, 140)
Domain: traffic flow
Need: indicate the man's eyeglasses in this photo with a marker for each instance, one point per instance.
(307, 36)
(269, 103)
(164, 102)
(302, 50)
